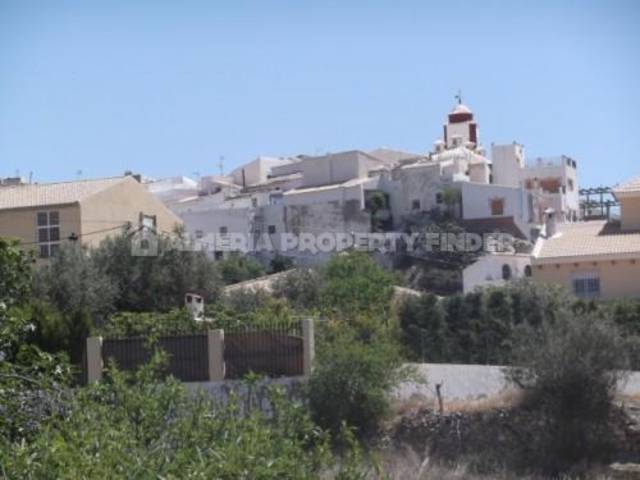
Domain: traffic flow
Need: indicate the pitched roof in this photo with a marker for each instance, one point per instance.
(630, 186)
(43, 194)
(587, 240)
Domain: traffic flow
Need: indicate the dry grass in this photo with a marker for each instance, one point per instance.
(418, 403)
(408, 465)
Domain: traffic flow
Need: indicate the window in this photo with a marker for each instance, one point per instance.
(271, 229)
(527, 271)
(497, 206)
(254, 202)
(218, 255)
(586, 285)
(199, 234)
(570, 183)
(223, 230)
(148, 222)
(415, 205)
(506, 272)
(48, 233)
(439, 198)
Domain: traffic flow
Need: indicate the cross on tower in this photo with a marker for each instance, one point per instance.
(458, 97)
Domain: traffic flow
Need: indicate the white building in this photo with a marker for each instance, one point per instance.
(331, 193)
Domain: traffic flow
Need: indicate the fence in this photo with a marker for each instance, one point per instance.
(277, 350)
(187, 354)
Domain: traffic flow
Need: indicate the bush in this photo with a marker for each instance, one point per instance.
(73, 282)
(156, 283)
(351, 384)
(154, 428)
(238, 268)
(355, 284)
(301, 288)
(570, 369)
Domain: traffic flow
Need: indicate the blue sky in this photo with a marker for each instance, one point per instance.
(166, 88)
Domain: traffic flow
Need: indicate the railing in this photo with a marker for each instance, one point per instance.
(273, 350)
(276, 351)
(188, 355)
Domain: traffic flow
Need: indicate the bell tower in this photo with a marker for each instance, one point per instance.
(460, 129)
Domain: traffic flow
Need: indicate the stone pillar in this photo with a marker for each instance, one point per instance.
(308, 346)
(215, 343)
(94, 359)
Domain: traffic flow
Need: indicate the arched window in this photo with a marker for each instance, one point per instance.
(527, 271)
(506, 272)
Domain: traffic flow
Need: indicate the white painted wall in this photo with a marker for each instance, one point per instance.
(333, 168)
(508, 162)
(487, 271)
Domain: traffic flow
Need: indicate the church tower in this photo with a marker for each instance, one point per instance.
(461, 129)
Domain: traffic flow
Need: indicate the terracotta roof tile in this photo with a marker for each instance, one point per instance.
(588, 239)
(43, 194)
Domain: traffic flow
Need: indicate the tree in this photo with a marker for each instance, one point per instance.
(73, 282)
(238, 268)
(356, 284)
(15, 286)
(158, 282)
(351, 383)
(423, 323)
(570, 369)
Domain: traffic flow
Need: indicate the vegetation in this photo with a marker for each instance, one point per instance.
(351, 383)
(238, 268)
(142, 425)
(570, 369)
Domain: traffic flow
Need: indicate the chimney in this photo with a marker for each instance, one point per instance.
(550, 222)
(194, 303)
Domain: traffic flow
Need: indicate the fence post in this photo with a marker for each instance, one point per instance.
(94, 359)
(308, 346)
(215, 343)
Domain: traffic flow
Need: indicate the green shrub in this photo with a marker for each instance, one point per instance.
(355, 284)
(351, 383)
(301, 288)
(238, 268)
(570, 369)
(153, 428)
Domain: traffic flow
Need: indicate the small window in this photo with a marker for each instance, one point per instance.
(527, 271)
(506, 272)
(199, 234)
(497, 206)
(271, 229)
(415, 205)
(223, 230)
(218, 254)
(254, 202)
(42, 219)
(570, 184)
(586, 286)
(439, 198)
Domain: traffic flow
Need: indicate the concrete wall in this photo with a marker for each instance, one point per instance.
(421, 182)
(567, 203)
(330, 169)
(333, 216)
(119, 204)
(618, 279)
(508, 161)
(487, 271)
(630, 213)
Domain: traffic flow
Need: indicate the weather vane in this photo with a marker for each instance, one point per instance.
(459, 97)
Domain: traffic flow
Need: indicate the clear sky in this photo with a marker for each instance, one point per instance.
(166, 88)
